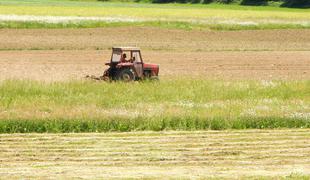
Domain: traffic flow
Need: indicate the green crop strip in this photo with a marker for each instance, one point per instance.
(159, 24)
(179, 104)
(49, 14)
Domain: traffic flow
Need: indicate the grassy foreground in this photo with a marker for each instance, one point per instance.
(181, 104)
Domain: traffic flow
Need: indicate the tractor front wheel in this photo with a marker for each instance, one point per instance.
(126, 75)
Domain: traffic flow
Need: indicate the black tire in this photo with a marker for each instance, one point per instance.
(147, 74)
(126, 75)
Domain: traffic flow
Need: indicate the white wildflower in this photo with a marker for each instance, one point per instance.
(269, 101)
(186, 104)
(249, 112)
(265, 83)
(300, 115)
(65, 19)
(262, 108)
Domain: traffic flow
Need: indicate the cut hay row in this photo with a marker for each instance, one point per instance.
(200, 154)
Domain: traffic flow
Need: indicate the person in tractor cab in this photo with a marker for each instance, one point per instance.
(123, 58)
(133, 59)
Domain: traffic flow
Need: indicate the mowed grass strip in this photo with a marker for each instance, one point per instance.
(175, 104)
(172, 154)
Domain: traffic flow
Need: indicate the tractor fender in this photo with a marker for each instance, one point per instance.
(153, 68)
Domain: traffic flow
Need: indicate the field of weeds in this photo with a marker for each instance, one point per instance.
(229, 104)
(176, 104)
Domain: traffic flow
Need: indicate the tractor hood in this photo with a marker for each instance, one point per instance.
(153, 67)
(150, 66)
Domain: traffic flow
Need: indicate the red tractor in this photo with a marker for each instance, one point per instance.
(129, 69)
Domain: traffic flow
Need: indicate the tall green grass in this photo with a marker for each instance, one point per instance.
(215, 16)
(169, 12)
(178, 104)
(159, 24)
(146, 124)
(142, 4)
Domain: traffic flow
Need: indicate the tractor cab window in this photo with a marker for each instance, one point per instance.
(116, 56)
(136, 56)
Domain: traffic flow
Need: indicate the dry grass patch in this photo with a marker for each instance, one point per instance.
(200, 154)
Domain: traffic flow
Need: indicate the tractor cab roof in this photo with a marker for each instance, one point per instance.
(126, 49)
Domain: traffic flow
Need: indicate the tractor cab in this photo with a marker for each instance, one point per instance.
(133, 55)
(127, 64)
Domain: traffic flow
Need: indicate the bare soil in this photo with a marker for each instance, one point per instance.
(204, 154)
(156, 39)
(62, 54)
(59, 65)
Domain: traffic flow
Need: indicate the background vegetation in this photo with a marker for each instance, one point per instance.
(160, 24)
(283, 3)
(215, 16)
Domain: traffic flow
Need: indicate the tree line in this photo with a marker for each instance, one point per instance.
(285, 3)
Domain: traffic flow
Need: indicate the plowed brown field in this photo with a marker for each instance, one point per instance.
(156, 39)
(63, 65)
(64, 54)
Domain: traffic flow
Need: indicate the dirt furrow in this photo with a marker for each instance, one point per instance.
(65, 54)
(155, 39)
(67, 65)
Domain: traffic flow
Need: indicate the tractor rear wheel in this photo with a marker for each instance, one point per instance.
(126, 75)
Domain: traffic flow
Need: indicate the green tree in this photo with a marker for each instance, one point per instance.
(297, 3)
(254, 2)
(207, 1)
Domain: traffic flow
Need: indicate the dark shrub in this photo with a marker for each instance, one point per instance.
(224, 1)
(195, 1)
(207, 1)
(163, 1)
(296, 3)
(254, 2)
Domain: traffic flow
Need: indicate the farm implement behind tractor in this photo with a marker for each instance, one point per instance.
(131, 69)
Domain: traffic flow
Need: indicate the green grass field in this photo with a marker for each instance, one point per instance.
(198, 122)
(184, 104)
(214, 16)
